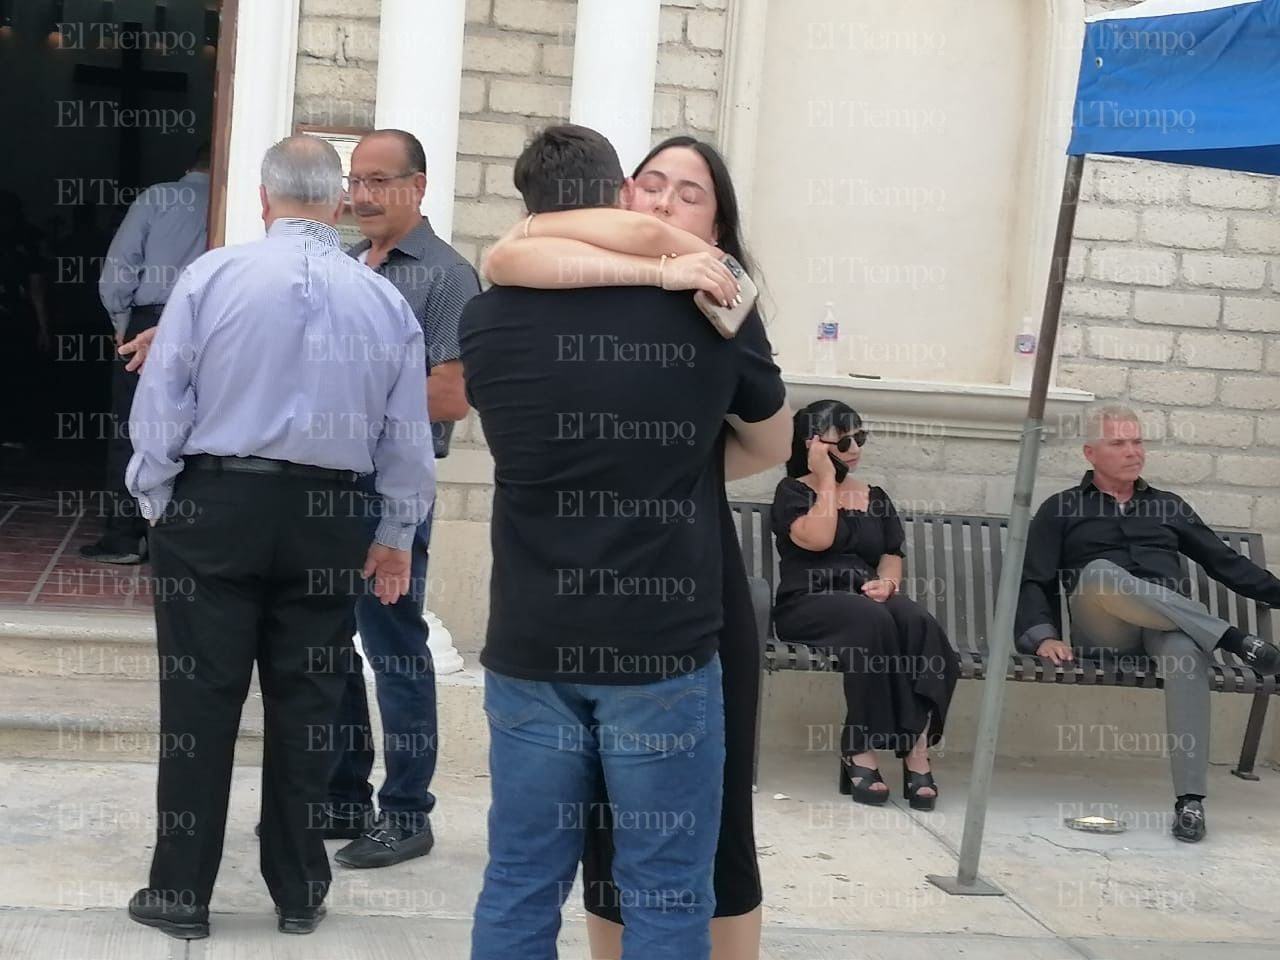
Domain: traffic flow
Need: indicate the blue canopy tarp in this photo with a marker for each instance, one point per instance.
(1183, 81)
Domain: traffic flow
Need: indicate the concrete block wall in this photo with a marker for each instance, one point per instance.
(337, 63)
(1173, 314)
(517, 71)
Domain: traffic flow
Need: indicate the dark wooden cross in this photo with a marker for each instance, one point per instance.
(132, 81)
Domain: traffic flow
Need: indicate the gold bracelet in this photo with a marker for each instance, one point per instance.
(527, 223)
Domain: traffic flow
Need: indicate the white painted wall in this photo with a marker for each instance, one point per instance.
(897, 160)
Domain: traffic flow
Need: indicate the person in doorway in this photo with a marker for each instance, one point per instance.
(387, 183)
(840, 549)
(680, 199)
(604, 625)
(24, 319)
(165, 229)
(1114, 544)
(258, 532)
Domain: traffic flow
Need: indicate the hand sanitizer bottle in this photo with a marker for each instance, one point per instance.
(827, 344)
(1024, 355)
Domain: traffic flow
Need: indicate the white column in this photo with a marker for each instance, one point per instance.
(615, 63)
(420, 90)
(747, 32)
(261, 106)
(444, 656)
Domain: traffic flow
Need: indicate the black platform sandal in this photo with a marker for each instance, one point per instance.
(861, 792)
(913, 783)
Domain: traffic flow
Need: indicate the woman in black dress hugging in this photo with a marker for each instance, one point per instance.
(840, 546)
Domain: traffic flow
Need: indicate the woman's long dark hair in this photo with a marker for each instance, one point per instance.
(814, 420)
(728, 216)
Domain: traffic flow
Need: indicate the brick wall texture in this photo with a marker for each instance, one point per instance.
(517, 66)
(1172, 305)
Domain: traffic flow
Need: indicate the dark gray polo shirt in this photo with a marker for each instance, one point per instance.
(437, 281)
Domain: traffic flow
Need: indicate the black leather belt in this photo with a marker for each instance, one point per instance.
(261, 465)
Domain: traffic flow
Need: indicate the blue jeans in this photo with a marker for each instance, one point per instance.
(395, 641)
(660, 747)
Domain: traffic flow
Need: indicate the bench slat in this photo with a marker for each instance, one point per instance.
(938, 573)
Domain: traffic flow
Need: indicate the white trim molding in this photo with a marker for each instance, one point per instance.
(739, 119)
(261, 106)
(922, 409)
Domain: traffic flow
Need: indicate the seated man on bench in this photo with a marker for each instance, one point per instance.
(1113, 542)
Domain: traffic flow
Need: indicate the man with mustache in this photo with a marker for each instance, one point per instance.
(387, 183)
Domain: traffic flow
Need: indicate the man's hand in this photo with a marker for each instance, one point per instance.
(390, 571)
(1055, 650)
(137, 348)
(878, 590)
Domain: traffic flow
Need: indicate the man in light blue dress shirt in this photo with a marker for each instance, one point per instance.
(163, 232)
(281, 372)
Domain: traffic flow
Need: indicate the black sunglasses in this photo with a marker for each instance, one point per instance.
(848, 440)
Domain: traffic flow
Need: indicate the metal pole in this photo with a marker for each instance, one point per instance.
(984, 753)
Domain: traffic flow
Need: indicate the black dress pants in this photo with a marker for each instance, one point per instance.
(124, 524)
(247, 570)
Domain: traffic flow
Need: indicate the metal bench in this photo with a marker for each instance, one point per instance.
(953, 567)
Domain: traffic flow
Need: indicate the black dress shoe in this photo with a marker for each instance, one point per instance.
(340, 827)
(122, 554)
(391, 841)
(152, 908)
(1188, 821)
(299, 919)
(1262, 656)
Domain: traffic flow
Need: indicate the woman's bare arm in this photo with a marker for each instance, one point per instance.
(752, 448)
(816, 530)
(615, 229)
(890, 568)
(555, 263)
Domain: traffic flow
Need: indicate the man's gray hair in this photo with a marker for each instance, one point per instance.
(303, 169)
(1096, 418)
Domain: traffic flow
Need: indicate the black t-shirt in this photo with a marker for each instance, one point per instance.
(601, 408)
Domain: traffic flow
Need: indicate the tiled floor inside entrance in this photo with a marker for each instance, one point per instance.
(49, 509)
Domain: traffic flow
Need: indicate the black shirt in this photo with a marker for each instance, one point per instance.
(862, 538)
(602, 409)
(1144, 535)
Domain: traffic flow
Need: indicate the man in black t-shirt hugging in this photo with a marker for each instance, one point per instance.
(605, 599)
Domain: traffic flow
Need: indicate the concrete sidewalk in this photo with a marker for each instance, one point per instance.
(841, 880)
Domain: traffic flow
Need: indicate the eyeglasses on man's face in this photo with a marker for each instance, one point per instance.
(374, 184)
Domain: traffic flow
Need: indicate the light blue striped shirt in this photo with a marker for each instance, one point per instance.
(286, 348)
(164, 230)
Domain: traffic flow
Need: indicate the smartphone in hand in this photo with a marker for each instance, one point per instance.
(728, 320)
(842, 468)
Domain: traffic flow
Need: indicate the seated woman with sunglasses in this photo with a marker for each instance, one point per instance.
(840, 545)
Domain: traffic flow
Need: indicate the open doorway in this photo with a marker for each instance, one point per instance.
(99, 100)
